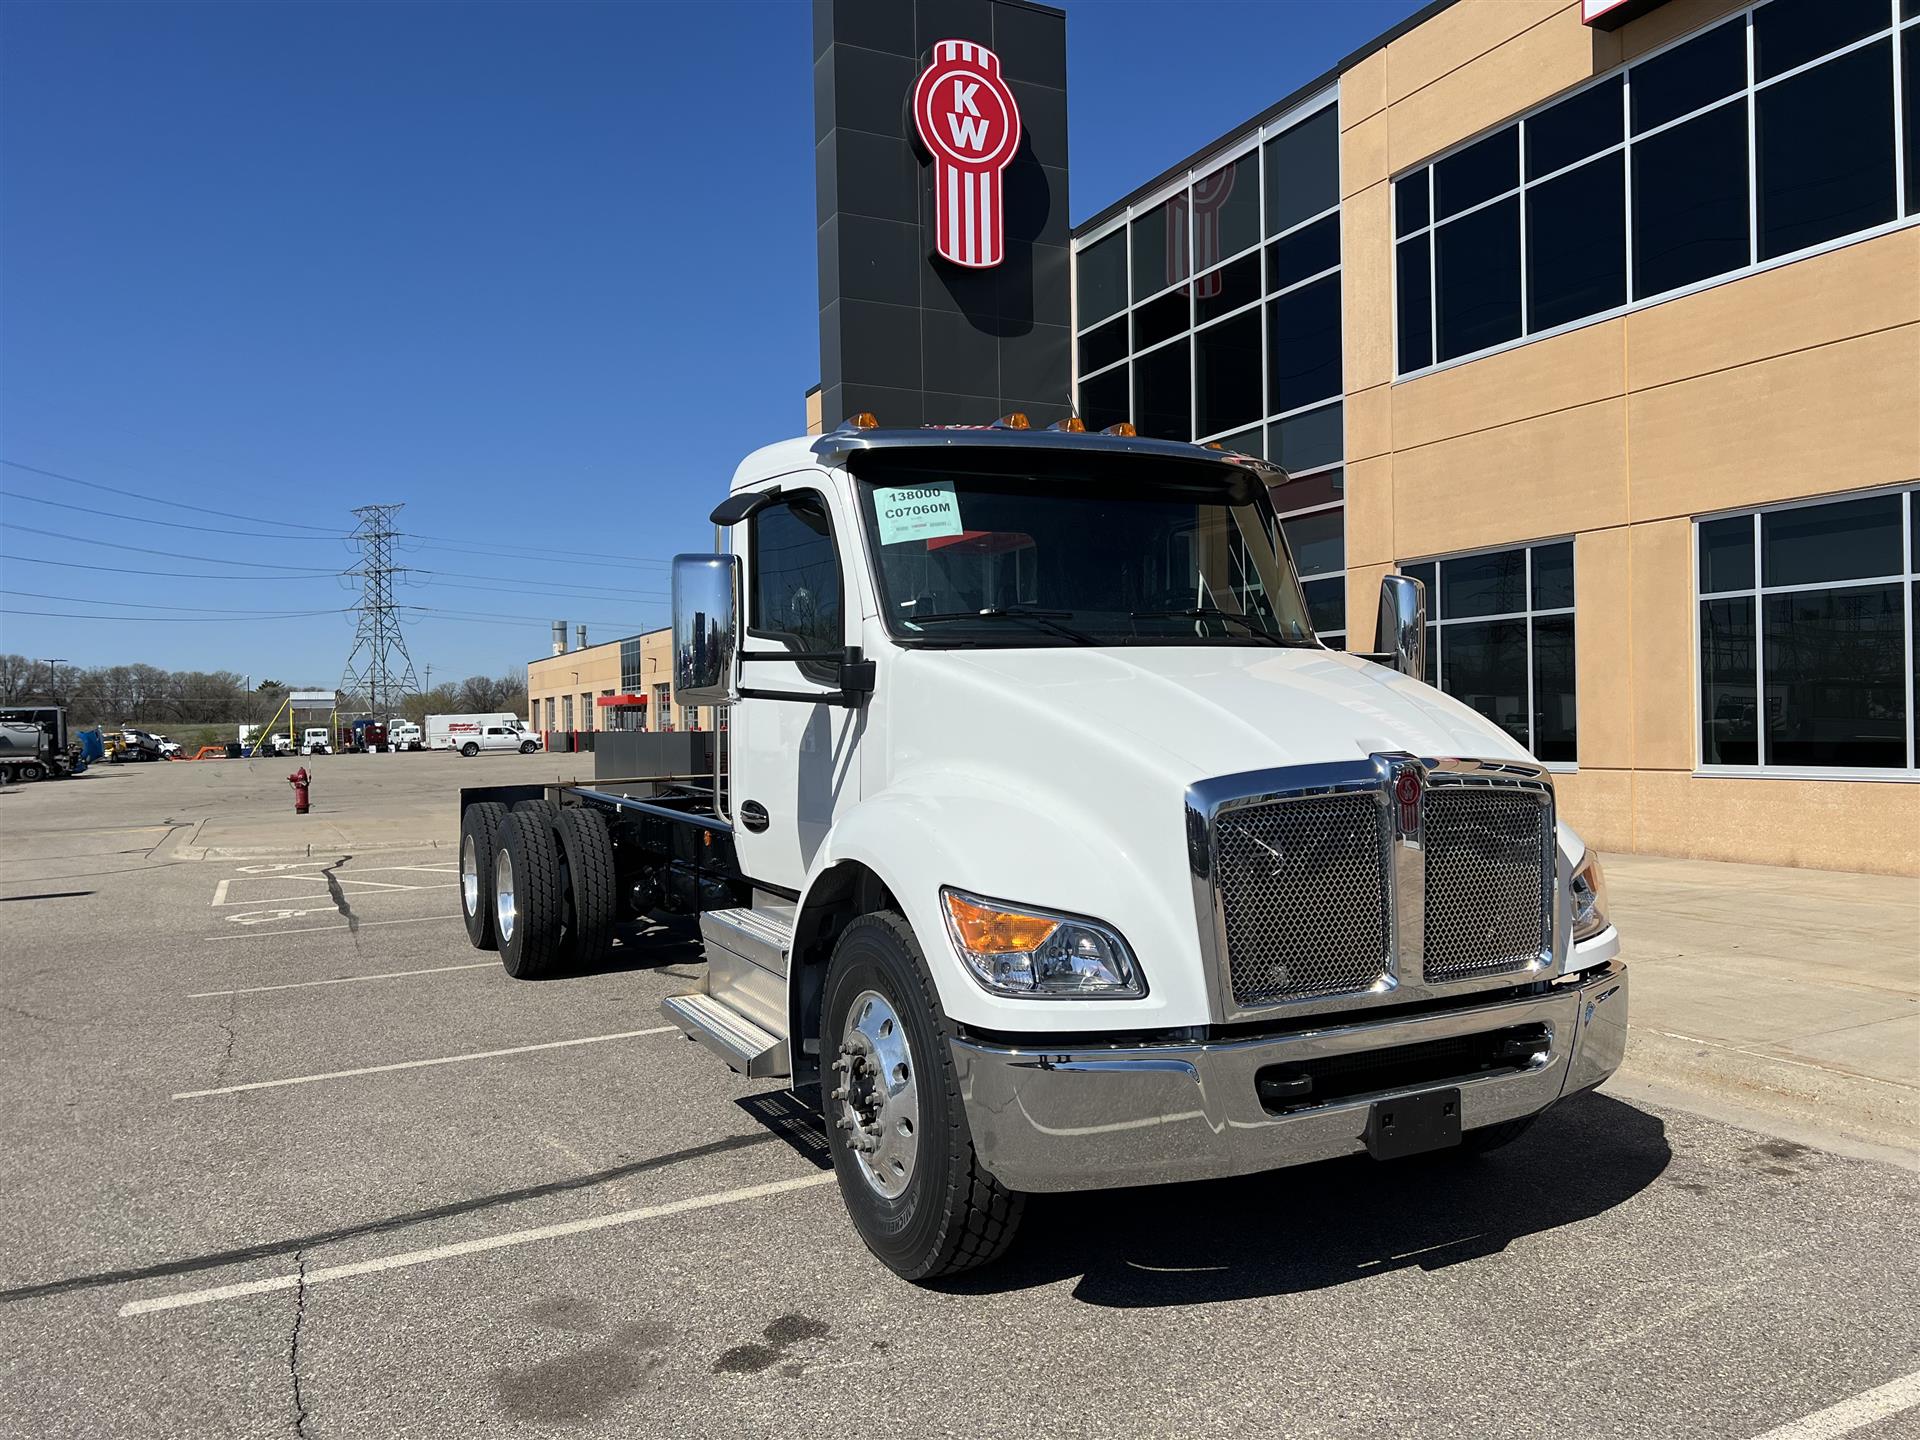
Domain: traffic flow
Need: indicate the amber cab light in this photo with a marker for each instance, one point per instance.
(1123, 428)
(865, 420)
(1014, 420)
(1072, 425)
(985, 930)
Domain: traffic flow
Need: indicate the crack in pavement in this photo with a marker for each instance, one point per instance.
(226, 1025)
(340, 901)
(293, 1345)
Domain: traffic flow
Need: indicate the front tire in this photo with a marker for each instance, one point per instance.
(470, 749)
(896, 1125)
(527, 747)
(480, 826)
(527, 896)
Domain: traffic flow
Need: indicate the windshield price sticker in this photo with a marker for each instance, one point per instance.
(916, 512)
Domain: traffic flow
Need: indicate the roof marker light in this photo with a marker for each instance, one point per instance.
(1072, 425)
(864, 420)
(1013, 420)
(1123, 428)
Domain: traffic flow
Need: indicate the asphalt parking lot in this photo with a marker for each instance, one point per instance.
(285, 1155)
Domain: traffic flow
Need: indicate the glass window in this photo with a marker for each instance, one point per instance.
(1100, 277)
(1102, 347)
(1410, 203)
(1318, 541)
(1477, 279)
(1577, 244)
(1688, 77)
(1226, 211)
(1163, 400)
(1294, 257)
(1303, 170)
(1413, 279)
(1910, 93)
(1848, 540)
(1303, 345)
(1553, 576)
(1156, 263)
(1226, 360)
(1577, 127)
(1787, 33)
(1824, 142)
(1221, 292)
(1104, 400)
(1726, 554)
(629, 666)
(1517, 669)
(1835, 681)
(796, 578)
(1825, 683)
(1306, 442)
(1483, 170)
(1690, 201)
(1327, 610)
(1729, 708)
(1162, 319)
(566, 712)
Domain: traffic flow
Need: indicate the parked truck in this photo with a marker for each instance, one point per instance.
(34, 745)
(471, 734)
(405, 735)
(1046, 838)
(362, 736)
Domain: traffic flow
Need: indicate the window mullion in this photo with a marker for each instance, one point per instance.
(1753, 154)
(1759, 653)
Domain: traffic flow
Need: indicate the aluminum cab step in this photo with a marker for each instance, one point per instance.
(756, 935)
(756, 1053)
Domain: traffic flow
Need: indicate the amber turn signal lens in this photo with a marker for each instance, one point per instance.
(987, 931)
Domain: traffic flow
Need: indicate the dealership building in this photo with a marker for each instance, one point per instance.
(581, 690)
(1601, 318)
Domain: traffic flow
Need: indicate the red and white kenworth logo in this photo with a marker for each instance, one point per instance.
(967, 118)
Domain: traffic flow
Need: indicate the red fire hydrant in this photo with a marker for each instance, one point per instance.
(301, 782)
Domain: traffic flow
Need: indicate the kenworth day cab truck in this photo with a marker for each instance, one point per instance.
(1045, 838)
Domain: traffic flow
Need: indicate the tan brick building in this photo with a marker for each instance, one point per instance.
(1613, 337)
(623, 684)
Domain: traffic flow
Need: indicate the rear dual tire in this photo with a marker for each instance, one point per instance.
(538, 883)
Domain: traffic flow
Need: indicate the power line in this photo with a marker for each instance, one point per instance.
(169, 554)
(136, 605)
(494, 615)
(555, 558)
(171, 619)
(495, 582)
(150, 499)
(149, 520)
(167, 574)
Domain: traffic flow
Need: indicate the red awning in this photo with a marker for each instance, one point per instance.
(620, 700)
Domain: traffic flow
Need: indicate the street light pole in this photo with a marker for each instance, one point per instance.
(53, 685)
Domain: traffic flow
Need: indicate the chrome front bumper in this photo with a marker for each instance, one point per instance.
(1106, 1116)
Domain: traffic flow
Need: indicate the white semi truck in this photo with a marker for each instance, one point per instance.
(1046, 838)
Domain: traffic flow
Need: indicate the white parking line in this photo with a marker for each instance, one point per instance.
(342, 980)
(470, 1247)
(316, 929)
(1852, 1414)
(422, 1064)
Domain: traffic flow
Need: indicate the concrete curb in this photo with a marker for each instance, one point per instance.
(301, 852)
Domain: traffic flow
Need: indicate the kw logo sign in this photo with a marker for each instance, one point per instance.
(967, 119)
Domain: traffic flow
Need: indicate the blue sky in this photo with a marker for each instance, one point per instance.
(542, 272)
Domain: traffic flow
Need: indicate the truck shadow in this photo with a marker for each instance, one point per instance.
(1318, 1226)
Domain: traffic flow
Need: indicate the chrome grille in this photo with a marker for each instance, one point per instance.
(1486, 881)
(1303, 892)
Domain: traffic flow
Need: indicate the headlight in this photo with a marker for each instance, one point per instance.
(1039, 954)
(1589, 899)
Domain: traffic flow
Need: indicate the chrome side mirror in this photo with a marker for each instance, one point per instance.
(706, 610)
(1402, 634)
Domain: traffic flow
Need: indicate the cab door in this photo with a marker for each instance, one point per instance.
(791, 760)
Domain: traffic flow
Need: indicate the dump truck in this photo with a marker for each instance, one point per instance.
(1049, 842)
(34, 745)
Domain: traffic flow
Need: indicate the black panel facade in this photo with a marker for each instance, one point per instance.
(904, 334)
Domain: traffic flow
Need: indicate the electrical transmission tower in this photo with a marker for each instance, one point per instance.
(379, 671)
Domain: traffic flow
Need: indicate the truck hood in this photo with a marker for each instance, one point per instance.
(1221, 710)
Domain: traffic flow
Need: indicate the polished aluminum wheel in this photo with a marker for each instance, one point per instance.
(876, 1099)
(470, 876)
(504, 912)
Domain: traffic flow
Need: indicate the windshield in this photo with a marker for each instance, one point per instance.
(1104, 551)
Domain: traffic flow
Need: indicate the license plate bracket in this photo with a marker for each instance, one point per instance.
(1414, 1124)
